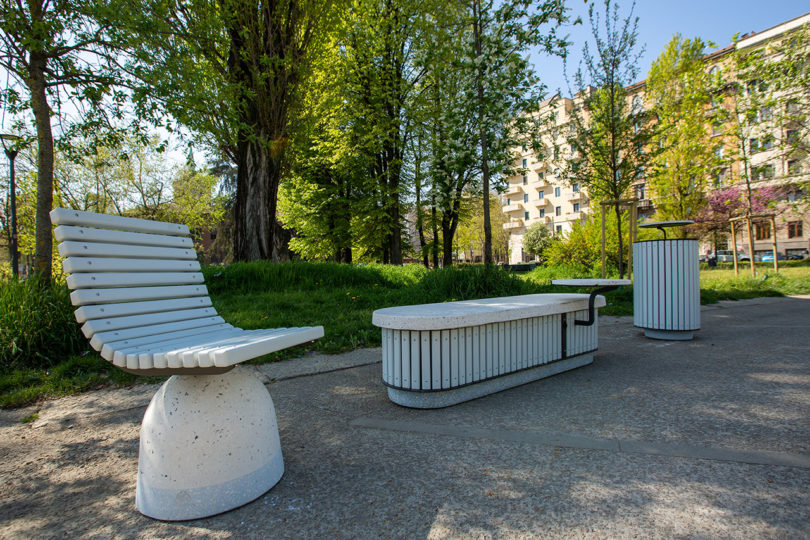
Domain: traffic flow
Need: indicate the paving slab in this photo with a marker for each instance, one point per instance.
(702, 439)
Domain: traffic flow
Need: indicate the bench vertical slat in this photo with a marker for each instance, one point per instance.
(397, 371)
(468, 355)
(414, 363)
(436, 359)
(445, 358)
(454, 359)
(386, 350)
(427, 371)
(476, 354)
(406, 358)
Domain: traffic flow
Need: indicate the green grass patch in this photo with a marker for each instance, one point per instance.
(48, 356)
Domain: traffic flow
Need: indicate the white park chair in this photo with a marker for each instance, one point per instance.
(209, 438)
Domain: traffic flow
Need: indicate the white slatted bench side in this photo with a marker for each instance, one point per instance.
(499, 347)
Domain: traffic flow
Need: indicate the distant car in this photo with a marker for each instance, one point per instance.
(768, 256)
(725, 255)
(795, 256)
(743, 257)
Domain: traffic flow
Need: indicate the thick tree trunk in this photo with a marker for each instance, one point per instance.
(255, 209)
(483, 136)
(43, 254)
(435, 246)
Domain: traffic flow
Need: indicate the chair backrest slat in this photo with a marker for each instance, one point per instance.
(65, 233)
(63, 216)
(74, 265)
(133, 279)
(101, 311)
(133, 321)
(100, 249)
(83, 297)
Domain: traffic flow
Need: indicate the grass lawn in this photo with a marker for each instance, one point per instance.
(342, 298)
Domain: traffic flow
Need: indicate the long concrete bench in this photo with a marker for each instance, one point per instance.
(209, 439)
(436, 355)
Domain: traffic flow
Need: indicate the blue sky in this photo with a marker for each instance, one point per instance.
(712, 20)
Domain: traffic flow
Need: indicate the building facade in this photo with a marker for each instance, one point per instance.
(755, 151)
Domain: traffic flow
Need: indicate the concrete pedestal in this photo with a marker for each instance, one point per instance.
(666, 290)
(209, 443)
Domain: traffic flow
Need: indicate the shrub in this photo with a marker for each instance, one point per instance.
(37, 326)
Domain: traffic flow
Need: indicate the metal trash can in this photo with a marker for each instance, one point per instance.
(666, 287)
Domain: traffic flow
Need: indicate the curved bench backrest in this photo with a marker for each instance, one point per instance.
(131, 277)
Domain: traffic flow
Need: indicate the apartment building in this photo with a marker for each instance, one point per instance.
(543, 195)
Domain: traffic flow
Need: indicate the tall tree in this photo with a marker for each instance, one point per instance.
(612, 137)
(57, 50)
(679, 89)
(232, 71)
(504, 92)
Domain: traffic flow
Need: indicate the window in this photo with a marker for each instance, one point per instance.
(508, 201)
(714, 72)
(794, 229)
(542, 212)
(765, 114)
(554, 133)
(556, 191)
(525, 197)
(762, 231)
(718, 153)
(640, 191)
(556, 152)
(525, 179)
(717, 128)
(792, 136)
(637, 105)
(575, 187)
(576, 207)
(524, 147)
(765, 172)
(556, 172)
(720, 177)
(794, 167)
(525, 163)
(753, 145)
(792, 107)
(559, 229)
(558, 210)
(767, 143)
(525, 215)
(636, 127)
(541, 194)
(541, 175)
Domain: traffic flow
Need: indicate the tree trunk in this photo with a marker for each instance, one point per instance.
(483, 136)
(420, 222)
(621, 244)
(42, 114)
(435, 247)
(257, 179)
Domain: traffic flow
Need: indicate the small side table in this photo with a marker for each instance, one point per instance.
(602, 285)
(666, 293)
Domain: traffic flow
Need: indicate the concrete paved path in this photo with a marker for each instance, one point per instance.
(702, 439)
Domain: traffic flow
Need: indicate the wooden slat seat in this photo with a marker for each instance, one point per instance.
(142, 300)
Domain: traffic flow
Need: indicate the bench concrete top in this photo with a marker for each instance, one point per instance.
(591, 282)
(448, 315)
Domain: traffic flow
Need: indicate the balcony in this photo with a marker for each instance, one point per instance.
(542, 202)
(512, 208)
(575, 196)
(514, 189)
(645, 205)
(574, 216)
(514, 224)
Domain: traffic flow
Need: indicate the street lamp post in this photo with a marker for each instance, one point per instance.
(11, 154)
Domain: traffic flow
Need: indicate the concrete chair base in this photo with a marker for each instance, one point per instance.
(209, 443)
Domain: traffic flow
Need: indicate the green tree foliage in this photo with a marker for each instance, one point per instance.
(232, 71)
(611, 142)
(536, 239)
(58, 51)
(504, 92)
(680, 88)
